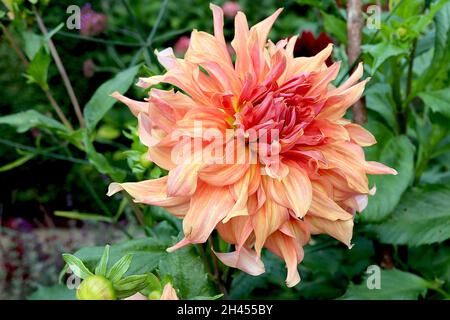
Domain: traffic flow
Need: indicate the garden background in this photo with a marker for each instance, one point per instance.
(63, 140)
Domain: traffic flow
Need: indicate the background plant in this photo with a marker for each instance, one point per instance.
(63, 141)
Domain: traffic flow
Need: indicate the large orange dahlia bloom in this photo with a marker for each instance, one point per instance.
(300, 169)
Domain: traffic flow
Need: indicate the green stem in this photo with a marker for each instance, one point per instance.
(355, 63)
(44, 152)
(47, 92)
(61, 69)
(410, 69)
(97, 40)
(442, 292)
(218, 277)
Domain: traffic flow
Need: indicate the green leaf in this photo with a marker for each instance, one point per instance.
(425, 19)
(398, 154)
(77, 266)
(99, 161)
(336, 27)
(432, 261)
(100, 270)
(27, 120)
(130, 285)
(56, 292)
(32, 43)
(438, 101)
(379, 99)
(38, 68)
(422, 217)
(101, 102)
(380, 52)
(441, 51)
(54, 31)
(17, 163)
(405, 9)
(382, 134)
(394, 285)
(147, 252)
(187, 271)
(82, 216)
(120, 268)
(153, 284)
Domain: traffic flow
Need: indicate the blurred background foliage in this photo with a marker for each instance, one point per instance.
(55, 171)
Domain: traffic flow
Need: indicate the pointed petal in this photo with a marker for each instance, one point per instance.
(288, 249)
(244, 259)
(360, 135)
(169, 293)
(373, 167)
(135, 106)
(209, 205)
(182, 180)
(148, 191)
(323, 206)
(267, 220)
(340, 230)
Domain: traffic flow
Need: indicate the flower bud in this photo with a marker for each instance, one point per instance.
(143, 159)
(96, 288)
(401, 32)
(154, 295)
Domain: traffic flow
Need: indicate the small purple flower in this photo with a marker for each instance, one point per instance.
(92, 22)
(88, 68)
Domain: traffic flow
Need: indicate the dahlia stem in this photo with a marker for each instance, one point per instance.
(137, 212)
(410, 69)
(355, 63)
(354, 35)
(61, 69)
(57, 109)
(217, 273)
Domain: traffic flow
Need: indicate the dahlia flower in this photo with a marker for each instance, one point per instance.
(299, 169)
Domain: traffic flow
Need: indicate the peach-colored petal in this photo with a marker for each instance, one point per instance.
(373, 167)
(169, 293)
(287, 248)
(209, 205)
(323, 206)
(149, 191)
(162, 156)
(266, 221)
(355, 76)
(182, 180)
(135, 106)
(244, 259)
(360, 135)
(337, 105)
(293, 191)
(236, 231)
(341, 230)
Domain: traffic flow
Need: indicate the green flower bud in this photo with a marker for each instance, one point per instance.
(154, 295)
(108, 132)
(96, 288)
(401, 32)
(144, 161)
